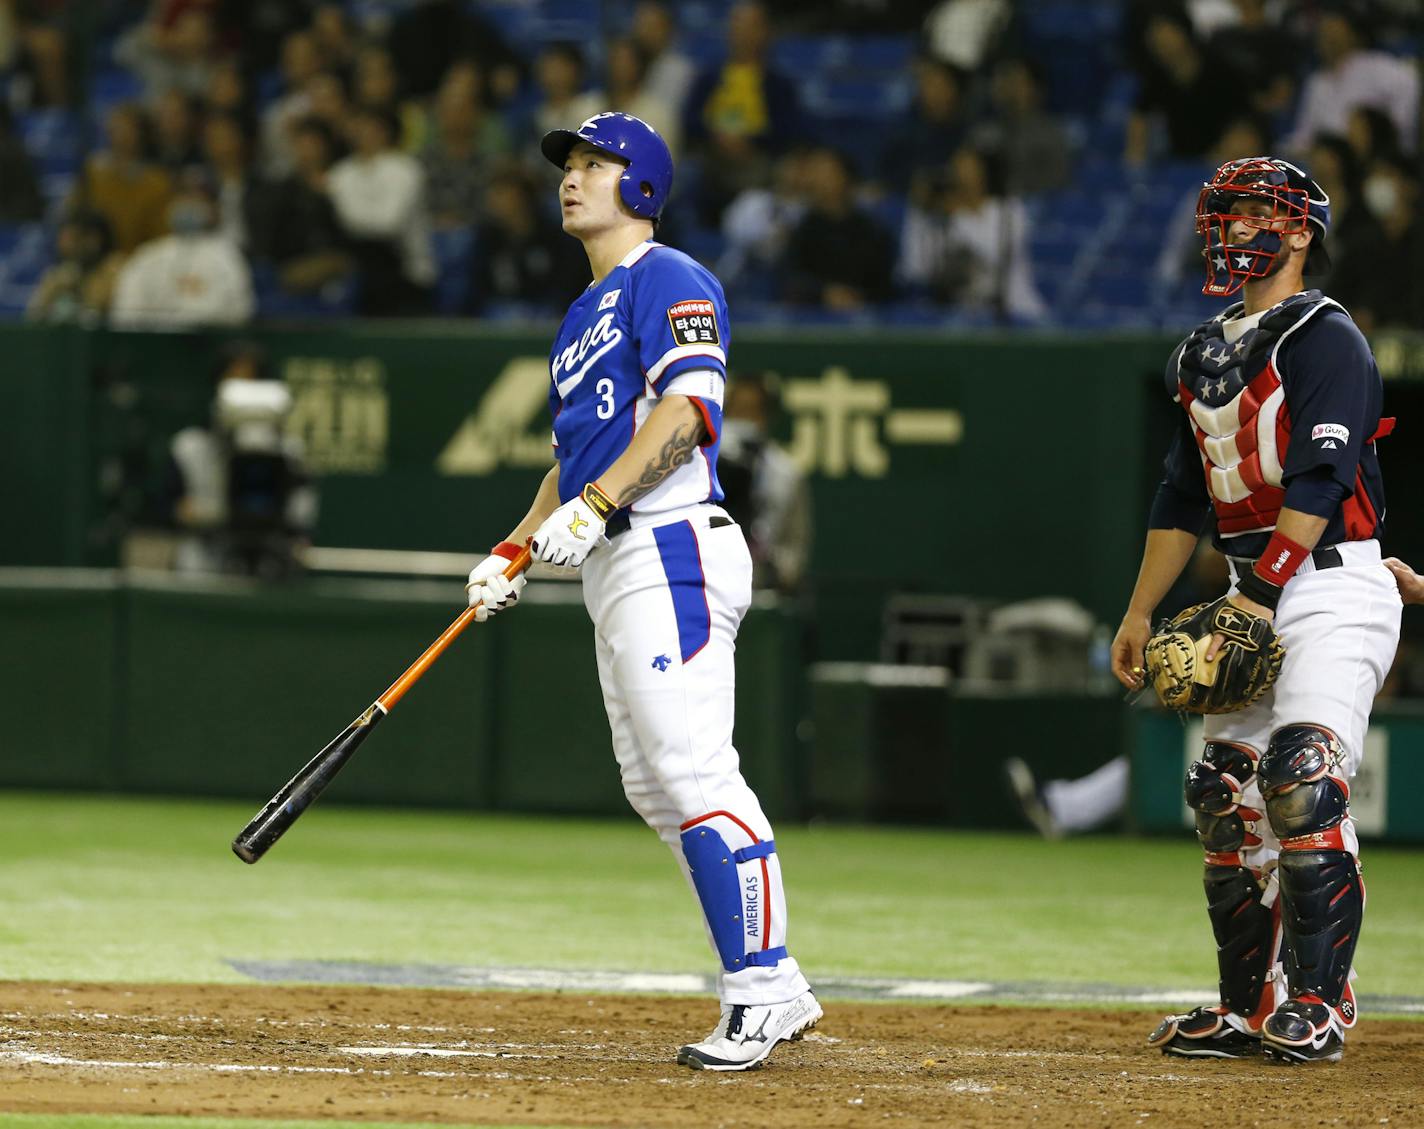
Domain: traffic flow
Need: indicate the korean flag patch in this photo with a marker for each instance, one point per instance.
(694, 322)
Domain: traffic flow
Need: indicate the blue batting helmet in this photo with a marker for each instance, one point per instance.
(646, 181)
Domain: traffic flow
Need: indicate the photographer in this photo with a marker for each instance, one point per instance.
(766, 492)
(244, 501)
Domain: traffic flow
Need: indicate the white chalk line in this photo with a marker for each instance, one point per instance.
(438, 1052)
(261, 1020)
(45, 1058)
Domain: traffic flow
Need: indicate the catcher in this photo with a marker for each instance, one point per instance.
(1281, 409)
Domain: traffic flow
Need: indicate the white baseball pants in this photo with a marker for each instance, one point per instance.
(666, 600)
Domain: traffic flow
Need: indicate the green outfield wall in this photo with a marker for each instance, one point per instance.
(149, 684)
(435, 437)
(1000, 467)
(227, 688)
(997, 466)
(127, 683)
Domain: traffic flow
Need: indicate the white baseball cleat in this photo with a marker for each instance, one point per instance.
(746, 1034)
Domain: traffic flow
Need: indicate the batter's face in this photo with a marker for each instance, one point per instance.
(588, 194)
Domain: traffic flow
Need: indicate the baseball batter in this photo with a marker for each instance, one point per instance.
(1282, 403)
(636, 381)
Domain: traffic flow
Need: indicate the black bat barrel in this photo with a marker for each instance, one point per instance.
(282, 810)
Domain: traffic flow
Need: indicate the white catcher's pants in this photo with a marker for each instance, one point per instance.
(666, 601)
(1340, 628)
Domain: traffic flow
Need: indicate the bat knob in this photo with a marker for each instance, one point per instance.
(244, 852)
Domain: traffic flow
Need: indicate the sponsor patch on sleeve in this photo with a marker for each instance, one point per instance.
(694, 322)
(1330, 432)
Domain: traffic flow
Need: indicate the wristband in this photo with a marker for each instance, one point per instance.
(506, 549)
(599, 502)
(1280, 560)
(1262, 591)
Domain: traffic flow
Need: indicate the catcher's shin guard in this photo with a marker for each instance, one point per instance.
(1324, 895)
(1247, 936)
(1247, 930)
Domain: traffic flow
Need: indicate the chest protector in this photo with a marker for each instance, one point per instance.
(1237, 409)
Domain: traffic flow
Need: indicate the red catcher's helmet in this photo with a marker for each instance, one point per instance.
(1297, 204)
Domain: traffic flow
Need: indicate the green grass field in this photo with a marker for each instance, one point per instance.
(98, 888)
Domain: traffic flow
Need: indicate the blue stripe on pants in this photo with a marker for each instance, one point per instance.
(682, 565)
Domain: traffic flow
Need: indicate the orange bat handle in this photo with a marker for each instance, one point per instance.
(388, 700)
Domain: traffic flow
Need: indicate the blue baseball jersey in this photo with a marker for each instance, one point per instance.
(657, 324)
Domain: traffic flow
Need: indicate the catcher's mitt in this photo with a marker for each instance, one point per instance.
(1245, 668)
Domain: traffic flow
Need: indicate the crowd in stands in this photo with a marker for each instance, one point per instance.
(948, 161)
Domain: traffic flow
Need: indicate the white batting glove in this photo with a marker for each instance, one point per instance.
(574, 530)
(489, 589)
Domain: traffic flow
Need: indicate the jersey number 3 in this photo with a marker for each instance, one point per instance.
(604, 389)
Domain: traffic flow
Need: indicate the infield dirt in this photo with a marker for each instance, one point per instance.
(570, 1059)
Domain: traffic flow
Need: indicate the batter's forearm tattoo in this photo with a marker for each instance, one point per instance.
(676, 452)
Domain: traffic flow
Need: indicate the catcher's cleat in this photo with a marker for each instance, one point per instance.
(1024, 789)
(1305, 1029)
(746, 1034)
(1206, 1032)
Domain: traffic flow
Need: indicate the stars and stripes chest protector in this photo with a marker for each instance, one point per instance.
(1235, 402)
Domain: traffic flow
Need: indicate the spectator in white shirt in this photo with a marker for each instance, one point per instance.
(967, 245)
(379, 196)
(1350, 76)
(758, 223)
(178, 55)
(191, 277)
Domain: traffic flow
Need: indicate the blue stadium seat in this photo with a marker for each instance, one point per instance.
(927, 315)
(1052, 274)
(864, 78)
(10, 236)
(1184, 306)
(704, 244)
(1074, 41)
(515, 312)
(1076, 209)
(1121, 285)
(56, 187)
(1104, 316)
(888, 211)
(50, 135)
(454, 250)
(336, 299)
(111, 86)
(268, 87)
(25, 253)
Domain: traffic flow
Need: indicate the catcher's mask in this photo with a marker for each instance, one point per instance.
(1294, 204)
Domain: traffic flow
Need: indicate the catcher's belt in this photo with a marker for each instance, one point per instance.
(1328, 557)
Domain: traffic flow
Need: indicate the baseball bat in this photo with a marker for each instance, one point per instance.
(283, 809)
